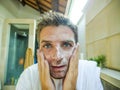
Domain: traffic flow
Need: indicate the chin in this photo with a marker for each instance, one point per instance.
(58, 76)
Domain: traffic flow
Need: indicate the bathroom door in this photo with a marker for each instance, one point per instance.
(17, 36)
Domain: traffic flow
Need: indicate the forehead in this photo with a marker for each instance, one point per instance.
(57, 33)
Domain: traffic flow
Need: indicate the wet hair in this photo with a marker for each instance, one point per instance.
(55, 19)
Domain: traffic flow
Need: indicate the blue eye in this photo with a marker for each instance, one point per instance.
(47, 46)
(67, 44)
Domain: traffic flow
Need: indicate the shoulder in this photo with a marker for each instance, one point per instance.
(87, 63)
(88, 75)
(32, 68)
(28, 78)
(89, 69)
(30, 72)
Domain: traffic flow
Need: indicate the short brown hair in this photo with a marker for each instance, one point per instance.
(55, 19)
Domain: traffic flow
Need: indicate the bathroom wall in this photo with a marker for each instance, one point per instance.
(4, 14)
(103, 35)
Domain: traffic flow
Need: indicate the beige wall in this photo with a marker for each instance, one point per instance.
(103, 35)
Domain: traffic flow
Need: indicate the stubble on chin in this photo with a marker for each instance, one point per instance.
(58, 75)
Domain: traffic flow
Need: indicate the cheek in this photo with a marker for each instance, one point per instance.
(47, 55)
(68, 55)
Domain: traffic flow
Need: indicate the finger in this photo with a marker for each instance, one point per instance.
(38, 58)
(40, 62)
(77, 52)
(47, 73)
(75, 57)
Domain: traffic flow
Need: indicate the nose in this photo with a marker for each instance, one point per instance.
(57, 54)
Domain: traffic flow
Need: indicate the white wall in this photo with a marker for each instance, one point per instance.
(4, 13)
(81, 37)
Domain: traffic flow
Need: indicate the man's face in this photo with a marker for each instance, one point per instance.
(57, 44)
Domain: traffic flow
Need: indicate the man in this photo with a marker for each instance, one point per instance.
(59, 67)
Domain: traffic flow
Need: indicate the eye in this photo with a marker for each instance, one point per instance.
(47, 45)
(66, 44)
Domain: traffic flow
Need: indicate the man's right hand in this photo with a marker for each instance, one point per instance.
(44, 73)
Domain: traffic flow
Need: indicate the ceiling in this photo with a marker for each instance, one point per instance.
(46, 5)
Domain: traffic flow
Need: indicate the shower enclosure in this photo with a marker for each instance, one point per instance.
(18, 35)
(18, 43)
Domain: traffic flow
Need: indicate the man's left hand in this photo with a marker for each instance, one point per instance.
(70, 79)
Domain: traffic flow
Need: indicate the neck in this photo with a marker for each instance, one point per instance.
(58, 83)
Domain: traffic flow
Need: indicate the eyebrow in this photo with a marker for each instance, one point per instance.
(46, 41)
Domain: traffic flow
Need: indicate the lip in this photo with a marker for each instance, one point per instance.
(56, 68)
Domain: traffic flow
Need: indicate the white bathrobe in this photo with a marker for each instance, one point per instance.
(88, 78)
